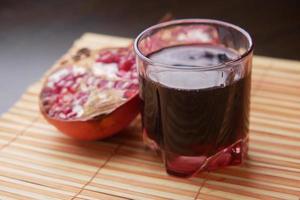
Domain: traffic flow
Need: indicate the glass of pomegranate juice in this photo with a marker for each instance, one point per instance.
(195, 79)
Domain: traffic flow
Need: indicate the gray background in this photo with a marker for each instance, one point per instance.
(33, 34)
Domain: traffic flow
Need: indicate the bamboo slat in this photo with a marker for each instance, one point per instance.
(38, 162)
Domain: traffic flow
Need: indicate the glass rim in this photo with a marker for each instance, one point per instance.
(193, 21)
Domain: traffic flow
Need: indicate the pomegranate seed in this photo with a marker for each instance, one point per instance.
(73, 88)
(69, 77)
(121, 73)
(133, 87)
(126, 64)
(59, 84)
(57, 90)
(129, 93)
(62, 116)
(80, 95)
(66, 110)
(69, 83)
(107, 57)
(119, 84)
(52, 113)
(124, 74)
(134, 75)
(102, 83)
(64, 90)
(67, 98)
(71, 115)
(46, 92)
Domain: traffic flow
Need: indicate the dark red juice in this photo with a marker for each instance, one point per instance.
(198, 119)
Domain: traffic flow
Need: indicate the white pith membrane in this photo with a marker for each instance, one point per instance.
(90, 85)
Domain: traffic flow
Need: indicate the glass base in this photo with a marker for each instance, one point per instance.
(187, 166)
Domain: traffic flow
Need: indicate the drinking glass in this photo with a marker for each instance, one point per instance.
(195, 116)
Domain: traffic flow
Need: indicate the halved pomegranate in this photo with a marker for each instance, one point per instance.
(92, 95)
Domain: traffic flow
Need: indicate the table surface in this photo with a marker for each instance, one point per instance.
(38, 162)
(35, 33)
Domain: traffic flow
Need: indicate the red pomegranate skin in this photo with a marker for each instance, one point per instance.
(105, 124)
(99, 127)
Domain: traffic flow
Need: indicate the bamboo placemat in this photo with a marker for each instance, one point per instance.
(38, 162)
